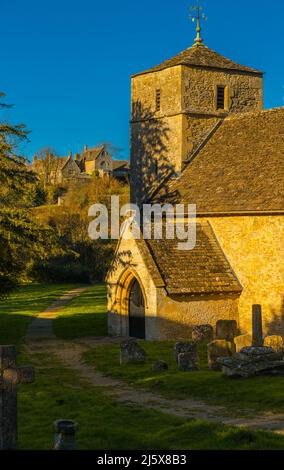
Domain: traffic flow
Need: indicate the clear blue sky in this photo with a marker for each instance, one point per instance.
(65, 64)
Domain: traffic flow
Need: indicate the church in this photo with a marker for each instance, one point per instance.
(200, 135)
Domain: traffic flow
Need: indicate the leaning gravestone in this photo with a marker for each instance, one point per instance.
(184, 347)
(274, 342)
(216, 349)
(257, 333)
(10, 377)
(131, 352)
(226, 329)
(202, 333)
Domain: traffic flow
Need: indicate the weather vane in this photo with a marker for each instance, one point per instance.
(198, 15)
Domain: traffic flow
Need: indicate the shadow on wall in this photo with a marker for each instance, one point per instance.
(151, 164)
(276, 325)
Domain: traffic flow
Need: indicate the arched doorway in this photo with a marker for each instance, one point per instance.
(136, 311)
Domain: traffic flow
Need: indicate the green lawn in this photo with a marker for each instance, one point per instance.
(59, 393)
(259, 393)
(17, 310)
(106, 424)
(84, 315)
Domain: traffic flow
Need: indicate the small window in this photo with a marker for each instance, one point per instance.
(221, 97)
(158, 100)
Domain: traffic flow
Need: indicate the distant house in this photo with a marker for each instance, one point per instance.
(90, 162)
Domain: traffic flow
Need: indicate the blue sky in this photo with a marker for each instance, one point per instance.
(65, 64)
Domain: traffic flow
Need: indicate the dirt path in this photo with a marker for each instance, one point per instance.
(41, 326)
(40, 339)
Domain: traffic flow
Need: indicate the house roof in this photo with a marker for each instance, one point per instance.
(241, 168)
(119, 164)
(92, 153)
(201, 56)
(203, 270)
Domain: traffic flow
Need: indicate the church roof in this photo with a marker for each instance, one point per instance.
(241, 168)
(203, 270)
(201, 56)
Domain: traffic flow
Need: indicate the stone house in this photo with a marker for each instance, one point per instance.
(91, 161)
(199, 135)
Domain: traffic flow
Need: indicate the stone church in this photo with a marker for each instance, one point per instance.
(200, 135)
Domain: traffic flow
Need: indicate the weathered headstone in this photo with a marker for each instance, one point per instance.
(242, 341)
(274, 342)
(202, 333)
(216, 349)
(10, 377)
(188, 362)
(160, 365)
(226, 329)
(65, 434)
(253, 361)
(257, 333)
(184, 347)
(131, 352)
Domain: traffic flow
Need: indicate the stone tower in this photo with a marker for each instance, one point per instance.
(177, 106)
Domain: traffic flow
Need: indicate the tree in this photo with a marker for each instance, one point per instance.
(21, 239)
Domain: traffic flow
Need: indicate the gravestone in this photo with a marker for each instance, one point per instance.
(216, 349)
(131, 352)
(242, 341)
(160, 365)
(274, 342)
(65, 434)
(253, 361)
(202, 333)
(188, 361)
(10, 377)
(184, 347)
(257, 333)
(226, 329)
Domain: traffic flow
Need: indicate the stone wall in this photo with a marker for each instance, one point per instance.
(161, 141)
(199, 87)
(254, 247)
(176, 317)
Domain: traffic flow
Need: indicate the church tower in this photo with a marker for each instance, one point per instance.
(178, 105)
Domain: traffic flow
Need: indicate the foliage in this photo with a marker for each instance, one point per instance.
(71, 222)
(21, 240)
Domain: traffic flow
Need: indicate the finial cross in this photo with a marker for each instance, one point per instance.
(197, 15)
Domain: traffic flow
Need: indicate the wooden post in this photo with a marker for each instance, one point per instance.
(10, 377)
(257, 333)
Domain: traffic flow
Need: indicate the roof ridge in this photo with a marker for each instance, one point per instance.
(258, 112)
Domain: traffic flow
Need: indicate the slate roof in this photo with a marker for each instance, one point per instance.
(203, 270)
(241, 168)
(201, 56)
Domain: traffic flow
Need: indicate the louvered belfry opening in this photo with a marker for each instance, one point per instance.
(158, 100)
(221, 97)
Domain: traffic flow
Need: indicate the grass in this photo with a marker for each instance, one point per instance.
(17, 310)
(106, 424)
(84, 315)
(258, 394)
(59, 392)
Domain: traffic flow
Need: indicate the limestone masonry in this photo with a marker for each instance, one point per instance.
(199, 135)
